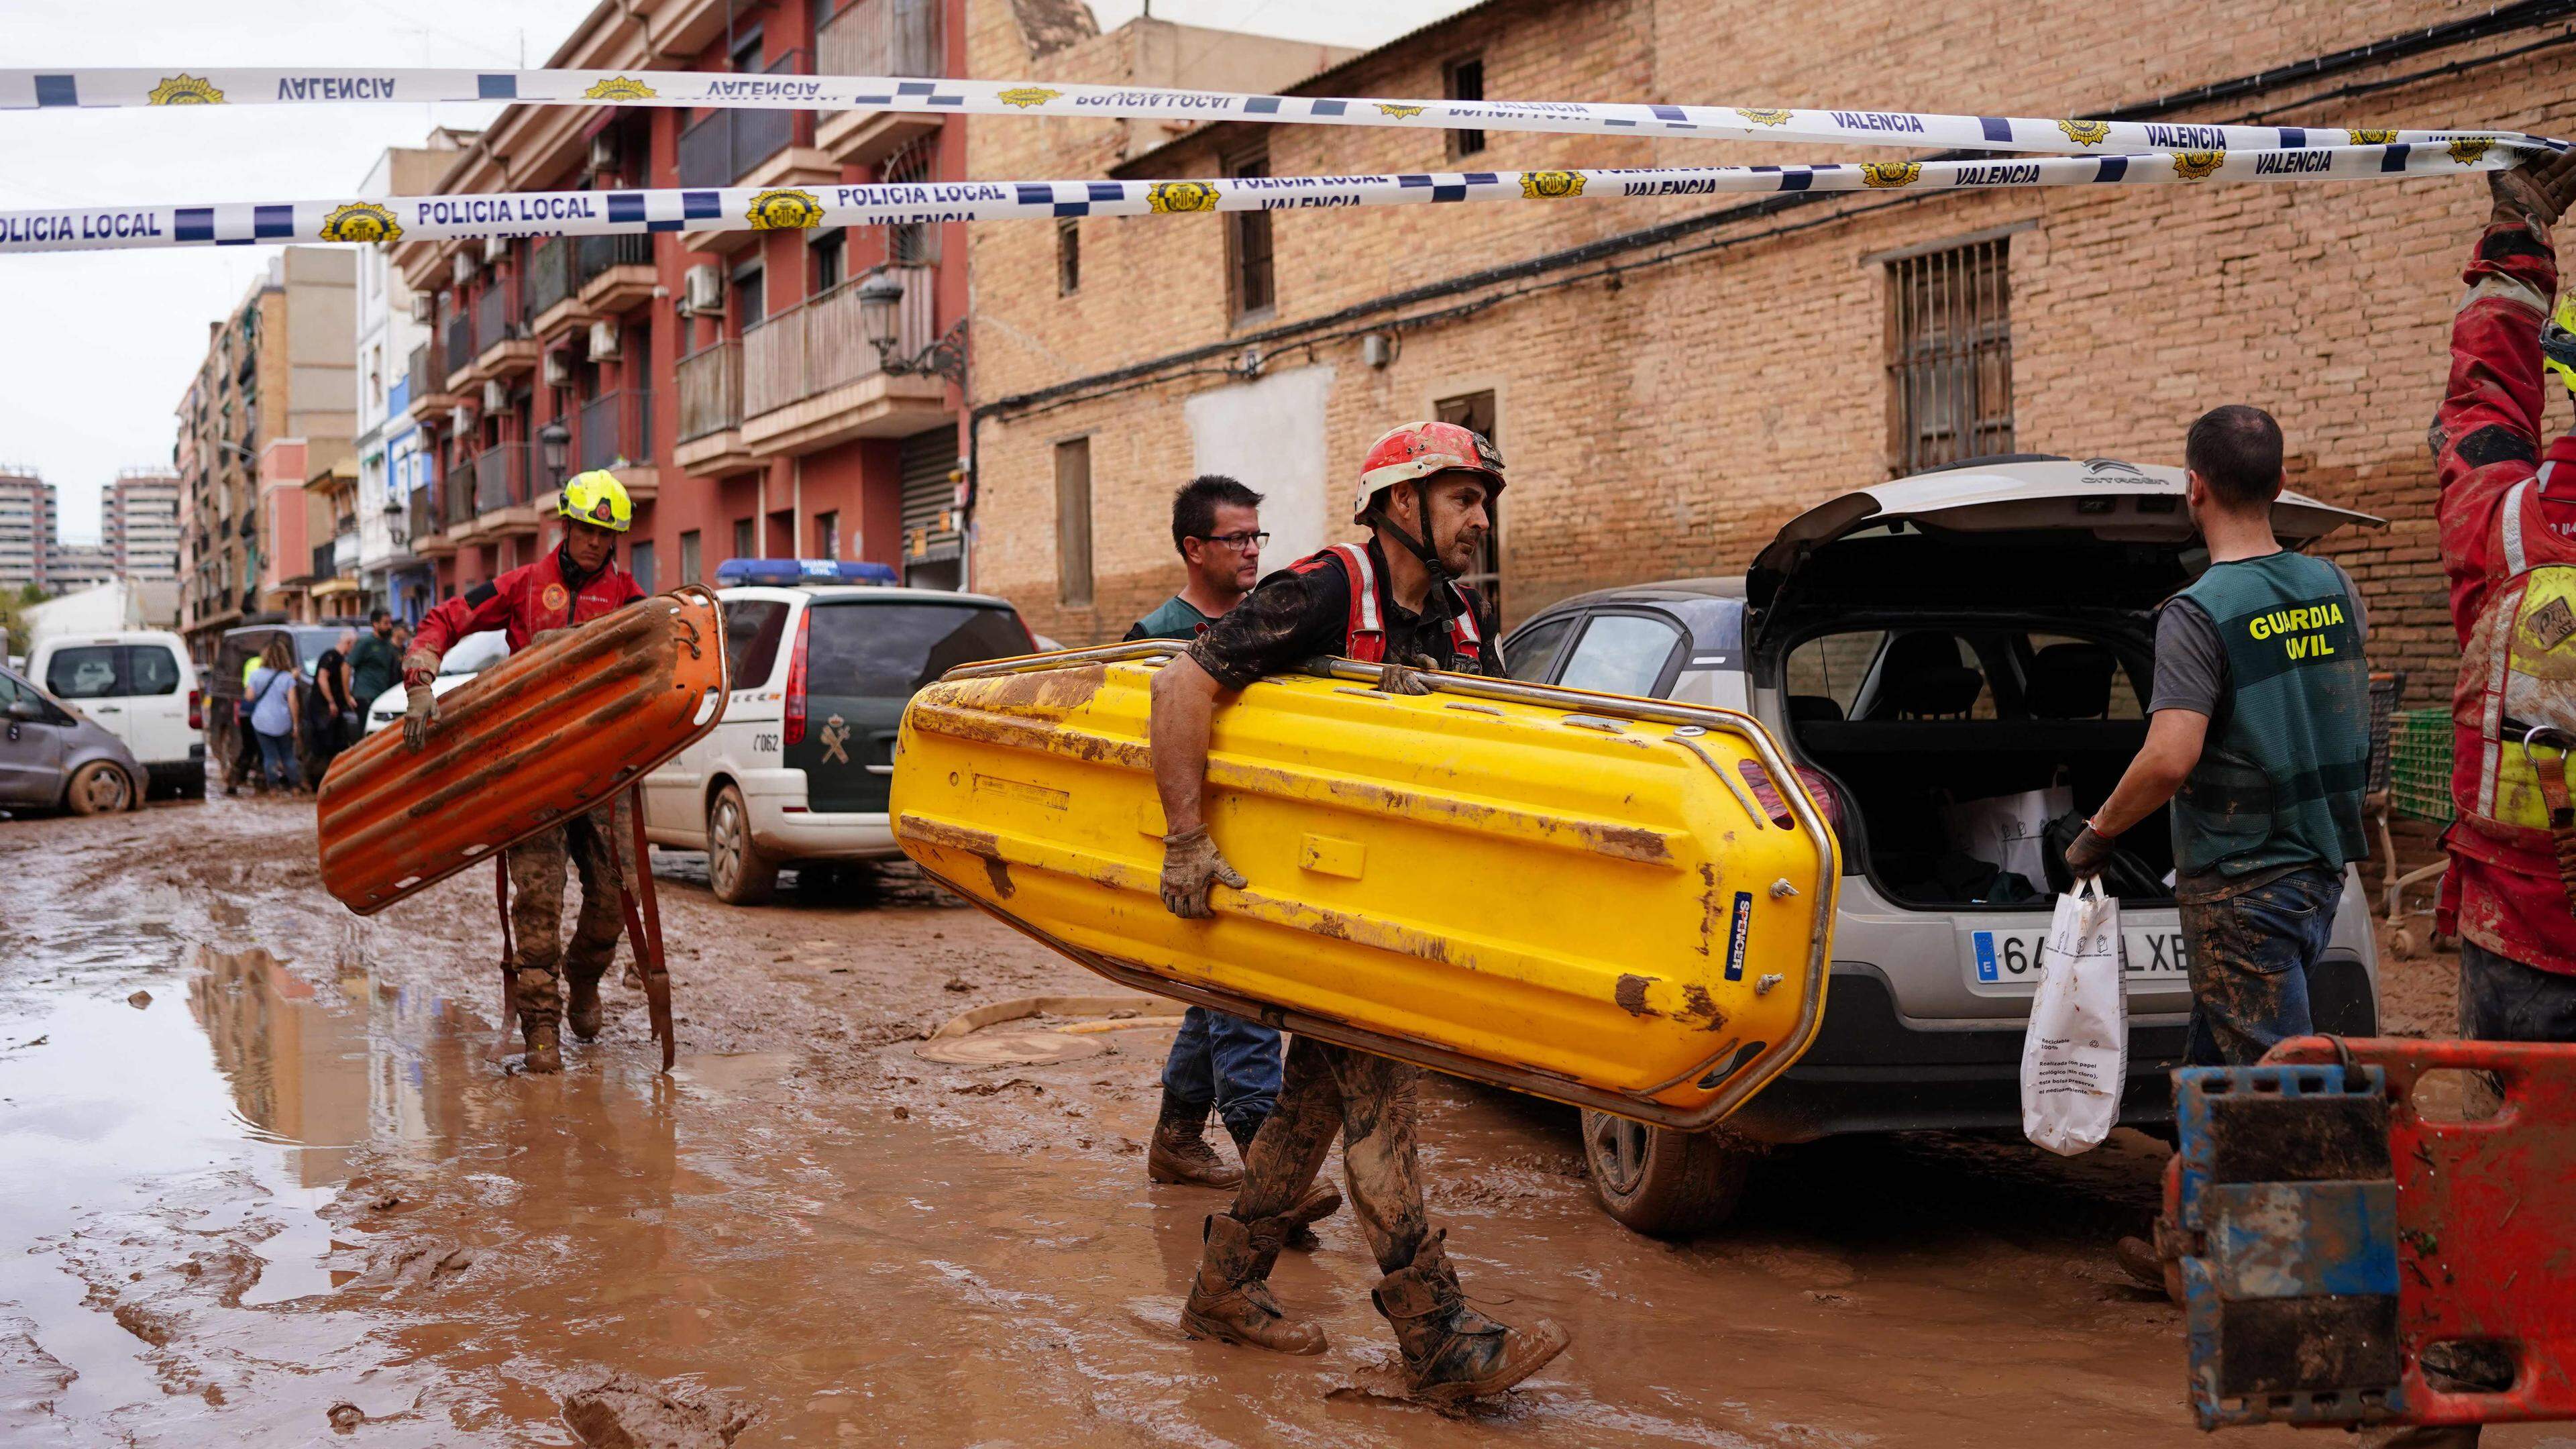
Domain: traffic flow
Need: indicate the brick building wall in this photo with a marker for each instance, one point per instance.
(1665, 410)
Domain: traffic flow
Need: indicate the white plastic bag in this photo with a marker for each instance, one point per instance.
(2075, 1059)
(2005, 829)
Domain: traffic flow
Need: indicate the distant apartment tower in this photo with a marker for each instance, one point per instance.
(138, 522)
(26, 526)
(73, 566)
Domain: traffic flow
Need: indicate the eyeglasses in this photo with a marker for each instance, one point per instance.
(1240, 542)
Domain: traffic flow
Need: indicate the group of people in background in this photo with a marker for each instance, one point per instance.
(288, 716)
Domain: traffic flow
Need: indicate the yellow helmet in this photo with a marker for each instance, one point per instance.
(598, 499)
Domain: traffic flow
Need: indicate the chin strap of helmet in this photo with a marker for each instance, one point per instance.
(1443, 594)
(574, 577)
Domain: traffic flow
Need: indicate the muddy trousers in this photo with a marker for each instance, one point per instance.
(2249, 955)
(1375, 1101)
(601, 846)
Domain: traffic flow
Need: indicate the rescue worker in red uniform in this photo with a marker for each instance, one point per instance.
(2508, 518)
(575, 583)
(1424, 493)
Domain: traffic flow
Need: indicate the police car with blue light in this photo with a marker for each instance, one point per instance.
(823, 655)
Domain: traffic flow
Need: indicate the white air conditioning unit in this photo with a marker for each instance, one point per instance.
(558, 370)
(495, 396)
(464, 267)
(495, 248)
(424, 308)
(703, 295)
(465, 418)
(603, 341)
(603, 154)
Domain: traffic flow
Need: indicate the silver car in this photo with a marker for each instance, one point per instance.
(54, 758)
(1970, 635)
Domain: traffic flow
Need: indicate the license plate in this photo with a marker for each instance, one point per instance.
(2002, 958)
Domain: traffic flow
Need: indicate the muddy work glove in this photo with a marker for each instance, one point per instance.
(2538, 190)
(1191, 866)
(1394, 678)
(420, 708)
(2090, 851)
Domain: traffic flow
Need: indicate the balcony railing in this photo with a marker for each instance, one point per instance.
(818, 344)
(456, 496)
(616, 429)
(882, 37)
(421, 517)
(722, 148)
(492, 317)
(501, 477)
(599, 253)
(323, 567)
(711, 390)
(460, 340)
(550, 279)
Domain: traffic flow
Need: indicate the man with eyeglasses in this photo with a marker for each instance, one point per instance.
(1218, 1060)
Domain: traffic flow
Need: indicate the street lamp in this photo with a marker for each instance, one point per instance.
(880, 321)
(880, 302)
(553, 440)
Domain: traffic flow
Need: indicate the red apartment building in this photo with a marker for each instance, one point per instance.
(763, 394)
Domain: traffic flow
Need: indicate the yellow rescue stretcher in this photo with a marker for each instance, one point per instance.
(1619, 903)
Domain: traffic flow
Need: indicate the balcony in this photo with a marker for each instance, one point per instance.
(614, 273)
(502, 346)
(431, 397)
(752, 148)
(501, 506)
(459, 353)
(552, 287)
(421, 511)
(615, 431)
(456, 501)
(878, 37)
(811, 379)
(710, 381)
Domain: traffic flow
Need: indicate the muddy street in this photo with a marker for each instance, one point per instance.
(266, 1187)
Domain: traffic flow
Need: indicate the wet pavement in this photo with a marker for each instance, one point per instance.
(264, 1186)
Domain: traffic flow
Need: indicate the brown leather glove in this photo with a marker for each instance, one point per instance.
(2088, 852)
(421, 709)
(2539, 190)
(1395, 678)
(1191, 867)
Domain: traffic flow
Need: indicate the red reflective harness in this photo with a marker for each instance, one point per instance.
(1364, 639)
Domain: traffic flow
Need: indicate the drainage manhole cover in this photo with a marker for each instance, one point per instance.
(1009, 1048)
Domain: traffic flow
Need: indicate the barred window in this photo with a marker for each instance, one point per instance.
(1949, 367)
(911, 244)
(1476, 410)
(1252, 287)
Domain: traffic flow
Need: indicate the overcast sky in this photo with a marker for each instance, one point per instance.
(105, 342)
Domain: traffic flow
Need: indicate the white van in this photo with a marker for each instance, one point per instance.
(140, 686)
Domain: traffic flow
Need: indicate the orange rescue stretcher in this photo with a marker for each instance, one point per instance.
(550, 732)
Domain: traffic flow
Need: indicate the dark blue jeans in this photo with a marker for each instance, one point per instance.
(278, 762)
(1226, 1060)
(2503, 1000)
(2249, 955)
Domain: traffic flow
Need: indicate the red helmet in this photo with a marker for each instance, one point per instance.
(1418, 450)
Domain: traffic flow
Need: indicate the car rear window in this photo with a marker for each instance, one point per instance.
(752, 630)
(150, 669)
(884, 650)
(84, 671)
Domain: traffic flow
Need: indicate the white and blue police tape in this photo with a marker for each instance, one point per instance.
(590, 213)
(22, 89)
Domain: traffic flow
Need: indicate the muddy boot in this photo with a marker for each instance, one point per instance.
(1230, 1293)
(1180, 1152)
(544, 1054)
(1321, 1200)
(1451, 1352)
(2143, 1262)
(581, 1011)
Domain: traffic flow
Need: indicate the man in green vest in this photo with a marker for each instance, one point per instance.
(2259, 733)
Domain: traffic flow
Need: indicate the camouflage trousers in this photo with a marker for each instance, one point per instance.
(1375, 1101)
(601, 845)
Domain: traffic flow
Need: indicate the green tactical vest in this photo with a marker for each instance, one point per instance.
(2280, 780)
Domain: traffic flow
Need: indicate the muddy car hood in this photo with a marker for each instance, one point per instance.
(2099, 532)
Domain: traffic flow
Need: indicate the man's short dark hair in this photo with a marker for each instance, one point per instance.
(377, 616)
(2236, 450)
(1194, 506)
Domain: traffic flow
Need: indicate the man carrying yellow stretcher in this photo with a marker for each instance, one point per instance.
(1424, 493)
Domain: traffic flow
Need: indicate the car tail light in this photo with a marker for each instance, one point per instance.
(196, 710)
(1827, 798)
(796, 680)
